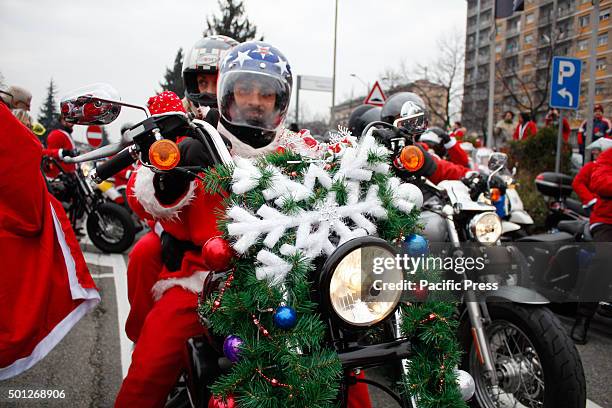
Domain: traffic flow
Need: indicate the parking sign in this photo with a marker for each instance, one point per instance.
(565, 83)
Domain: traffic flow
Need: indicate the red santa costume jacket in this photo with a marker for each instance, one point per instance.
(57, 140)
(45, 287)
(601, 185)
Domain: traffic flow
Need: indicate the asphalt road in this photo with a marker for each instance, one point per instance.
(87, 363)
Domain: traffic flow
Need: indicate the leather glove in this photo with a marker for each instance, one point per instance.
(63, 153)
(385, 135)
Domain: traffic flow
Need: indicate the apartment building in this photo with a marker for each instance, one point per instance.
(523, 46)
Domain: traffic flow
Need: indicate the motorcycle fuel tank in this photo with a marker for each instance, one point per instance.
(435, 227)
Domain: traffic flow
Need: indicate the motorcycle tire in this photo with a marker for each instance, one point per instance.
(559, 361)
(119, 217)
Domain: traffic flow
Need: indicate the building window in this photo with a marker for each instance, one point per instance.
(602, 39)
(530, 17)
(498, 48)
(528, 60)
(583, 45)
(599, 89)
(583, 21)
(529, 39)
(604, 15)
(601, 64)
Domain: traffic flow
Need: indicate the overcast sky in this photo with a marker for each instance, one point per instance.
(128, 44)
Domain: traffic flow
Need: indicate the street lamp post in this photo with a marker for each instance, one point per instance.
(367, 86)
(332, 115)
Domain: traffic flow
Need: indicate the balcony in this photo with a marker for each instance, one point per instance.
(545, 20)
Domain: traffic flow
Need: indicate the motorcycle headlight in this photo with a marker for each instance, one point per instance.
(486, 228)
(358, 295)
(86, 168)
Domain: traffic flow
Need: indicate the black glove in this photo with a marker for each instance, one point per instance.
(385, 136)
(169, 186)
(67, 153)
(173, 251)
(212, 117)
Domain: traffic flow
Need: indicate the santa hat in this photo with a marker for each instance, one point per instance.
(164, 102)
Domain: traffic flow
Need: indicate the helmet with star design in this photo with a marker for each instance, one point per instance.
(253, 92)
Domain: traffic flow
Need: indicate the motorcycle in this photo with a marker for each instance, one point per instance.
(515, 349)
(485, 329)
(109, 225)
(497, 186)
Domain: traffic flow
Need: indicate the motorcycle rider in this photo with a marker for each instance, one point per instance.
(200, 71)
(585, 185)
(253, 96)
(410, 105)
(59, 146)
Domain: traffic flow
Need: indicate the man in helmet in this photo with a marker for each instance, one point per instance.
(200, 70)
(413, 112)
(59, 146)
(254, 91)
(602, 127)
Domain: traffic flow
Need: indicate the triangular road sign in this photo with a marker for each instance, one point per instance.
(376, 96)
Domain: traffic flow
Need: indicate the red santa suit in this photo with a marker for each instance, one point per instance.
(58, 140)
(45, 287)
(525, 130)
(163, 303)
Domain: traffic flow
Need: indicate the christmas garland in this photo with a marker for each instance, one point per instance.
(280, 214)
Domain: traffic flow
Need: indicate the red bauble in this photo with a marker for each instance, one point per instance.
(280, 149)
(217, 402)
(217, 254)
(420, 295)
(310, 141)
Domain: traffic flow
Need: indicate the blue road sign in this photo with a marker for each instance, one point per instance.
(565, 83)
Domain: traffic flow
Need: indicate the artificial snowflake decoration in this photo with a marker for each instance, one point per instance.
(324, 223)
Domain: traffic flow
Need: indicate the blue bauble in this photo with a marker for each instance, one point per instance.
(231, 348)
(285, 317)
(416, 245)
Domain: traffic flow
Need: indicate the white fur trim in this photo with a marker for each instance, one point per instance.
(145, 194)
(191, 283)
(242, 149)
(451, 143)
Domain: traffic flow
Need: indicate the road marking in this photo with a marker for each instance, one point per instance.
(117, 262)
(102, 275)
(591, 404)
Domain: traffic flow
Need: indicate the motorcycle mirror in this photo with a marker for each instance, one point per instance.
(96, 104)
(411, 116)
(497, 160)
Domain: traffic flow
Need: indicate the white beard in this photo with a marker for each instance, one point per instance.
(239, 148)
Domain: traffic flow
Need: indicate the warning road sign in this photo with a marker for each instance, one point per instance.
(376, 96)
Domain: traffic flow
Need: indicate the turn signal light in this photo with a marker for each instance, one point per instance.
(164, 154)
(495, 195)
(412, 158)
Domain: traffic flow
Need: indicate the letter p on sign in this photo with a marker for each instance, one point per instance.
(566, 70)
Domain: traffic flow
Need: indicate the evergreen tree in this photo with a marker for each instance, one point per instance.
(48, 112)
(232, 22)
(173, 79)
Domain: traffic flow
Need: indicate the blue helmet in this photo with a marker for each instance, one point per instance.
(254, 91)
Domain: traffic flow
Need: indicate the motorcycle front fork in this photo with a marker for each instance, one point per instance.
(477, 312)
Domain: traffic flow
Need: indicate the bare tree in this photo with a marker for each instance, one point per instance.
(529, 93)
(439, 82)
(446, 70)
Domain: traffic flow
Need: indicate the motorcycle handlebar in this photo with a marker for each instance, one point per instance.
(97, 154)
(114, 165)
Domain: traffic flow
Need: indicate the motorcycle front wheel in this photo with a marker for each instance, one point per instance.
(536, 362)
(110, 228)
